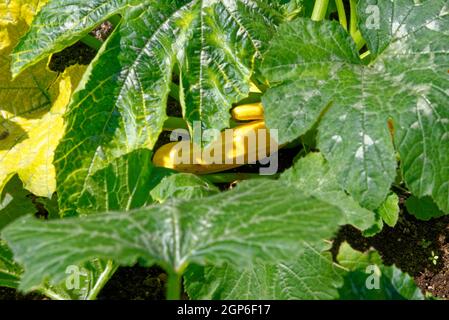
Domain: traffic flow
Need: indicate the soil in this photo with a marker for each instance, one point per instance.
(136, 283)
(410, 245)
(79, 53)
(11, 295)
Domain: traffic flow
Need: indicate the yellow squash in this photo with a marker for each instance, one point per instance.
(248, 112)
(235, 147)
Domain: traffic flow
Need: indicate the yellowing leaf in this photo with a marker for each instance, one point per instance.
(12, 11)
(32, 158)
(31, 107)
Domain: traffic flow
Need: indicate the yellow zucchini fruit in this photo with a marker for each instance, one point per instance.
(253, 111)
(235, 147)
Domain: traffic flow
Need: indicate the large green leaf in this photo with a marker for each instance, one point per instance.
(259, 220)
(423, 208)
(312, 175)
(121, 104)
(314, 65)
(182, 186)
(10, 271)
(384, 22)
(60, 24)
(14, 202)
(124, 184)
(368, 279)
(311, 276)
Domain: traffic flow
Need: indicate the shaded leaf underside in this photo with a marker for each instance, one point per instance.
(211, 230)
(311, 276)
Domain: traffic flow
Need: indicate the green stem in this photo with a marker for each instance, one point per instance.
(232, 177)
(52, 295)
(365, 55)
(358, 39)
(102, 280)
(342, 14)
(92, 42)
(173, 123)
(174, 91)
(353, 24)
(115, 20)
(320, 10)
(174, 286)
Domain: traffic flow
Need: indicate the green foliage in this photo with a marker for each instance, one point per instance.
(310, 276)
(367, 278)
(423, 208)
(10, 271)
(371, 116)
(389, 210)
(355, 103)
(124, 184)
(121, 104)
(14, 202)
(175, 234)
(182, 186)
(312, 174)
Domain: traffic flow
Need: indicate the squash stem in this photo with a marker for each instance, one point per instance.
(320, 10)
(232, 177)
(359, 40)
(173, 123)
(174, 286)
(353, 23)
(174, 91)
(52, 294)
(342, 14)
(115, 20)
(92, 42)
(104, 277)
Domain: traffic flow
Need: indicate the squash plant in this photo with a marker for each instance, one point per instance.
(362, 85)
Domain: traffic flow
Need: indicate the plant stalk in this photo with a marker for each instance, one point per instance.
(358, 39)
(52, 294)
(173, 123)
(92, 42)
(232, 177)
(353, 23)
(115, 20)
(342, 14)
(102, 280)
(174, 286)
(174, 92)
(365, 55)
(320, 10)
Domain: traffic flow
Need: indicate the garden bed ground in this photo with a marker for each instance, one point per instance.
(410, 245)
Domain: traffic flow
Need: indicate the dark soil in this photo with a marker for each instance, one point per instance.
(79, 53)
(410, 245)
(135, 283)
(11, 294)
